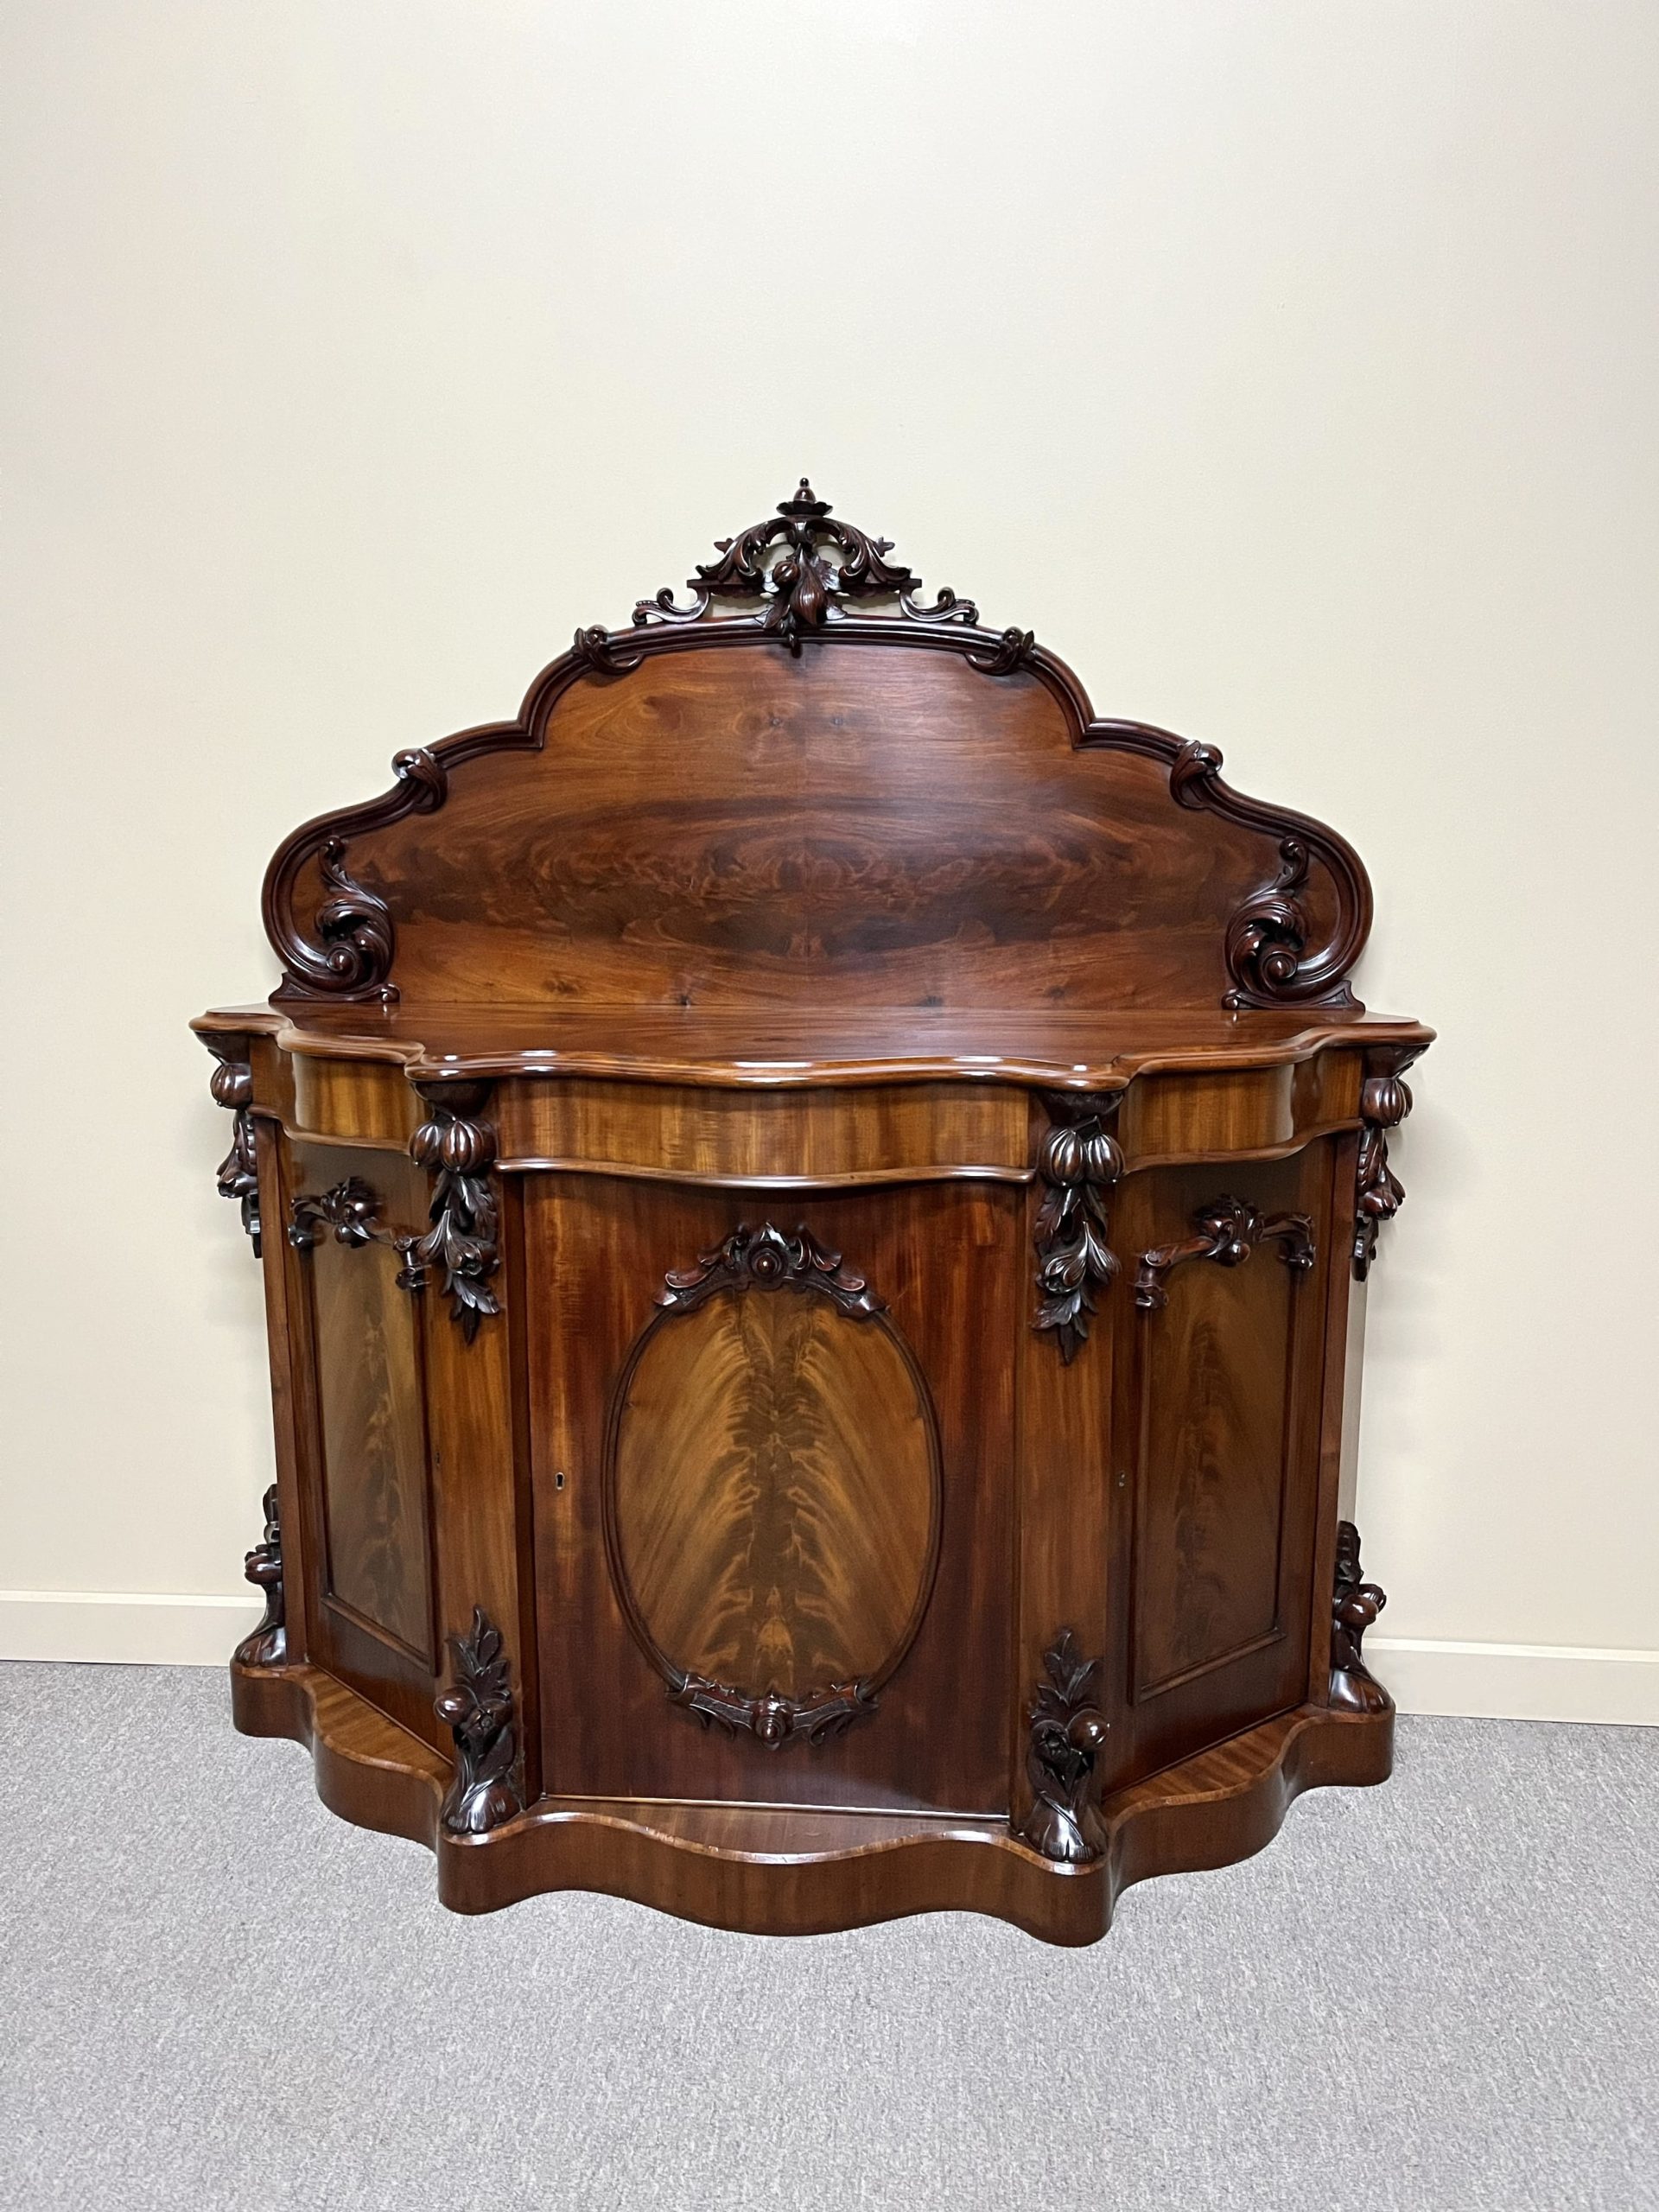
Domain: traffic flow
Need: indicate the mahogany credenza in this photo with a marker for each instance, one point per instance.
(814, 1198)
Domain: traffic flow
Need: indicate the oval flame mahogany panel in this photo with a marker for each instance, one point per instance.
(773, 1493)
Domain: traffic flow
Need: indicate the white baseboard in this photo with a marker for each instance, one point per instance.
(123, 1627)
(1497, 1682)
(1517, 1682)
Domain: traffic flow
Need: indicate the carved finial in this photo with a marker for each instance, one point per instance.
(805, 502)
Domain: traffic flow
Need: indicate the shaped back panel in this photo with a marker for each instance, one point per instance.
(904, 811)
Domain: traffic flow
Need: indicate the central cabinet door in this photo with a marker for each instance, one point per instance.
(772, 1439)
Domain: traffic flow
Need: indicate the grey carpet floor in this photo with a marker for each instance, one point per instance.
(1436, 1997)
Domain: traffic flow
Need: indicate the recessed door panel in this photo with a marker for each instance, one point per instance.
(1214, 1467)
(366, 1481)
(773, 1487)
(1225, 1270)
(371, 1401)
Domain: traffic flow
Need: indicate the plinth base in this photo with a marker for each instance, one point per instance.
(786, 1872)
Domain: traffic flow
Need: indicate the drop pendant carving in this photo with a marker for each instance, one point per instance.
(1079, 1162)
(1355, 1605)
(1384, 1103)
(239, 1172)
(461, 1244)
(477, 1708)
(268, 1645)
(1067, 1730)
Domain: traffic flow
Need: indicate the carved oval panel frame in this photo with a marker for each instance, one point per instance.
(765, 1262)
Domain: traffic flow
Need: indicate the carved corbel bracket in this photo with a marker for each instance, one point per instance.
(268, 1645)
(1355, 1605)
(239, 1172)
(1067, 1730)
(1079, 1162)
(477, 1708)
(774, 1720)
(462, 1243)
(1227, 1231)
(1384, 1103)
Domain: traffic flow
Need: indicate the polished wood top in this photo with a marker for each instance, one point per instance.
(783, 1046)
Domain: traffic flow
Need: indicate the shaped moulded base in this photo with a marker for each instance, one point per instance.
(765, 1871)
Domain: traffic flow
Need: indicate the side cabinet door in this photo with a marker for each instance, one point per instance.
(1218, 1430)
(772, 1436)
(366, 1478)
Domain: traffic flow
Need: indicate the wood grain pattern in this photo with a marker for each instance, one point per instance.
(1217, 1417)
(373, 1396)
(774, 1494)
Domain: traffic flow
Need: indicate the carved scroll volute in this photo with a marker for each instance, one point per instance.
(1268, 956)
(268, 1645)
(1079, 1162)
(478, 1710)
(354, 937)
(1226, 1231)
(1384, 1103)
(239, 1172)
(1354, 1607)
(1067, 1733)
(462, 1245)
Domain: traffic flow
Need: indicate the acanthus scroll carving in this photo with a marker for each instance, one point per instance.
(1354, 1607)
(268, 1645)
(806, 566)
(351, 1213)
(1268, 936)
(354, 925)
(477, 1708)
(1079, 1162)
(459, 1243)
(1384, 1103)
(774, 1720)
(1227, 1231)
(1067, 1733)
(239, 1172)
(770, 1261)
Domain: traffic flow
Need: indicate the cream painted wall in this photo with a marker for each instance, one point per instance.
(1290, 365)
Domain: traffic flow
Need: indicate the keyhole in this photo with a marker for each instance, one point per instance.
(558, 1479)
